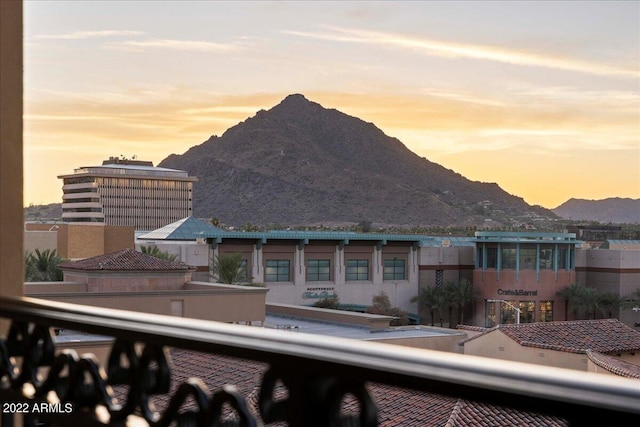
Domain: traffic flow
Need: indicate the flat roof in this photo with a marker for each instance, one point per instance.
(524, 237)
(420, 240)
(129, 170)
(289, 324)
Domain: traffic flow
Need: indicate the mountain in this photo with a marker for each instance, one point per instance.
(615, 210)
(300, 163)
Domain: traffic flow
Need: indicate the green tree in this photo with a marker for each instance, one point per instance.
(571, 294)
(432, 300)
(43, 266)
(588, 303)
(154, 251)
(460, 294)
(610, 301)
(230, 268)
(632, 300)
(382, 305)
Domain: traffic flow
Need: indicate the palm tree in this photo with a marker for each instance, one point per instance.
(154, 251)
(610, 301)
(570, 293)
(230, 268)
(460, 294)
(43, 266)
(589, 302)
(429, 300)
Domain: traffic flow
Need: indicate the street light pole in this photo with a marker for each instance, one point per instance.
(510, 305)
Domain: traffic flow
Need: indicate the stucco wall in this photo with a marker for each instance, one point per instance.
(498, 286)
(373, 321)
(118, 237)
(448, 343)
(223, 304)
(134, 281)
(41, 240)
(498, 346)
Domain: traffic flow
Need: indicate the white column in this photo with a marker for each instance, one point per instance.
(213, 254)
(256, 263)
(299, 275)
(412, 267)
(376, 268)
(339, 271)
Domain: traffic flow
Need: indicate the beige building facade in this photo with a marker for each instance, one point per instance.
(127, 193)
(569, 345)
(77, 240)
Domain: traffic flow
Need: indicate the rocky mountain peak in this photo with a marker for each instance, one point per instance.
(300, 163)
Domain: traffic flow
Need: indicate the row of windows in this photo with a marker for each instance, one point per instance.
(83, 200)
(133, 183)
(79, 180)
(320, 270)
(505, 313)
(81, 209)
(527, 258)
(80, 190)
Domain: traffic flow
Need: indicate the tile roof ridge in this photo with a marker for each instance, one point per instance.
(481, 334)
(614, 365)
(455, 413)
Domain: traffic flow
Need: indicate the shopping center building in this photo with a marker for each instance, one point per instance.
(519, 275)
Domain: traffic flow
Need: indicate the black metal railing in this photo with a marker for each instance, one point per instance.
(58, 387)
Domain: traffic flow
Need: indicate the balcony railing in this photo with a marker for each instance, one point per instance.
(317, 372)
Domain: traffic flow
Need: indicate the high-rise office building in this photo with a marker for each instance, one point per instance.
(127, 192)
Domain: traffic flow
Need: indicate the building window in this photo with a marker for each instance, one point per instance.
(490, 309)
(546, 311)
(492, 257)
(527, 258)
(357, 269)
(318, 270)
(277, 270)
(508, 314)
(546, 258)
(508, 257)
(563, 262)
(527, 311)
(394, 269)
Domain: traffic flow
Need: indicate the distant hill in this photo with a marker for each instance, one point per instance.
(616, 210)
(50, 212)
(300, 163)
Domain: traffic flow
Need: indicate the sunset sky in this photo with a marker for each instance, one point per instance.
(542, 97)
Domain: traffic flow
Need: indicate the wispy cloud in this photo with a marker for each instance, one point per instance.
(79, 35)
(182, 45)
(446, 49)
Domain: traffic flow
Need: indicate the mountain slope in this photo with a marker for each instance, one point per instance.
(299, 163)
(616, 210)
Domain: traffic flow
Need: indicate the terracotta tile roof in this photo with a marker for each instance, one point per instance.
(614, 365)
(397, 407)
(578, 336)
(125, 260)
(468, 413)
